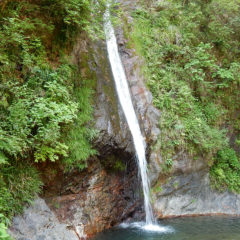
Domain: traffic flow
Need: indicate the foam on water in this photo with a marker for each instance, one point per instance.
(147, 227)
(156, 228)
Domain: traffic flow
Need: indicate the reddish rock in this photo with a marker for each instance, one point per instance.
(95, 199)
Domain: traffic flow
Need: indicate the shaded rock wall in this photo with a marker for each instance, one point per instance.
(78, 205)
(92, 60)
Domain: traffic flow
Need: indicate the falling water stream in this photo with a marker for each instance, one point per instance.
(128, 109)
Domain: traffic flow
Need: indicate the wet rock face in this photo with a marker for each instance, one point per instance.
(79, 204)
(114, 134)
(110, 119)
(148, 116)
(105, 193)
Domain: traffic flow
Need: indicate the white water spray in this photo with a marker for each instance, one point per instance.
(127, 106)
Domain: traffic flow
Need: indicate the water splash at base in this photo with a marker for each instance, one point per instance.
(147, 227)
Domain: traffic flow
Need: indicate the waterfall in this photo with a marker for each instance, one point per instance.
(128, 109)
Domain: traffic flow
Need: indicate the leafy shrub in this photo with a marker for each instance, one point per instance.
(38, 110)
(225, 172)
(3, 232)
(36, 96)
(79, 137)
(38, 106)
(19, 183)
(191, 51)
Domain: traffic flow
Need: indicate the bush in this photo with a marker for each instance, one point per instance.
(80, 134)
(225, 173)
(191, 51)
(3, 232)
(36, 96)
(38, 106)
(38, 110)
(19, 184)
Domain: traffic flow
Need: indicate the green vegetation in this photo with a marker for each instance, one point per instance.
(45, 105)
(157, 189)
(225, 172)
(191, 51)
(3, 232)
(18, 183)
(78, 137)
(113, 164)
